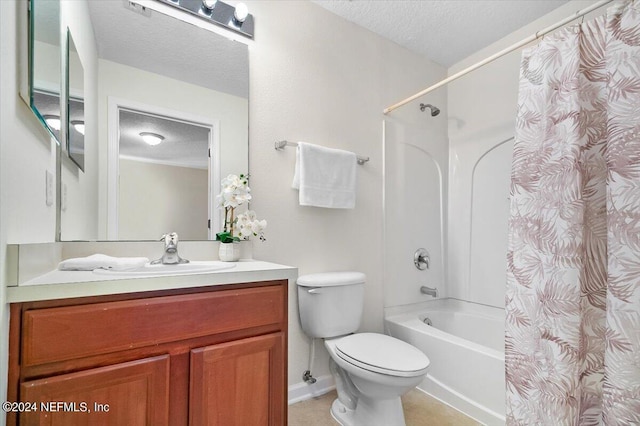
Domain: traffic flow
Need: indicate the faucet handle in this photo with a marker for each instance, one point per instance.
(170, 237)
(421, 259)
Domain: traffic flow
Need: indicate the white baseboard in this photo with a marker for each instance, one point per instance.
(303, 391)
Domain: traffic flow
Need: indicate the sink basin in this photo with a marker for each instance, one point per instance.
(149, 270)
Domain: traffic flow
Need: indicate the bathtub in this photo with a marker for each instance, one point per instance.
(465, 344)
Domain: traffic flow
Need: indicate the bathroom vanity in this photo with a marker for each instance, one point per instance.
(200, 349)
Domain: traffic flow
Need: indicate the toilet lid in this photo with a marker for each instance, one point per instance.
(382, 354)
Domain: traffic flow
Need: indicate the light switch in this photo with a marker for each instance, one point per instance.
(49, 188)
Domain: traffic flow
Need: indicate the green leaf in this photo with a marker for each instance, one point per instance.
(226, 237)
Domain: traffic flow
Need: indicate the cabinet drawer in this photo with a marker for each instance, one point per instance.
(63, 333)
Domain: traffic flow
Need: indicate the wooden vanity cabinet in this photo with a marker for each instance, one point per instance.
(206, 356)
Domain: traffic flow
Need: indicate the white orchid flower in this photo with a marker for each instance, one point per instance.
(258, 226)
(234, 192)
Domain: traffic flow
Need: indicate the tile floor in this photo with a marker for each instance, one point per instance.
(419, 410)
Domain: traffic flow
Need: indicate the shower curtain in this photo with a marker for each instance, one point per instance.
(573, 284)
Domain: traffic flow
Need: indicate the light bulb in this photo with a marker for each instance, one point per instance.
(79, 126)
(52, 121)
(151, 138)
(241, 12)
(209, 4)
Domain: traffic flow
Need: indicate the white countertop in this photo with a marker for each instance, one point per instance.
(67, 284)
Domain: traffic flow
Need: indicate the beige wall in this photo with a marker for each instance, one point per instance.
(156, 199)
(47, 76)
(318, 78)
(79, 219)
(26, 151)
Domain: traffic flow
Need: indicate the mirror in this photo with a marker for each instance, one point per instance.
(163, 162)
(75, 104)
(44, 60)
(165, 71)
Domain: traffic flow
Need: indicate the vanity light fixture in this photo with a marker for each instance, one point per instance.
(79, 126)
(236, 18)
(151, 138)
(52, 121)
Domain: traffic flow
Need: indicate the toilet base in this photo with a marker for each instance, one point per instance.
(368, 412)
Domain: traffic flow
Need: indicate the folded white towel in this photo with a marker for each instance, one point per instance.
(325, 177)
(102, 261)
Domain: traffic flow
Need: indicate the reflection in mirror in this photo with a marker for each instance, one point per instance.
(150, 62)
(48, 104)
(75, 104)
(164, 181)
(45, 57)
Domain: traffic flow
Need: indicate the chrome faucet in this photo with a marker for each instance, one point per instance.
(170, 256)
(433, 292)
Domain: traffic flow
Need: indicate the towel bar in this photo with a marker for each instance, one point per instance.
(282, 144)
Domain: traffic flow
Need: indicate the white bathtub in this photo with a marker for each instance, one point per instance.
(465, 344)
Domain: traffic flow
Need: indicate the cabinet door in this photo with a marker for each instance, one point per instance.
(239, 383)
(132, 393)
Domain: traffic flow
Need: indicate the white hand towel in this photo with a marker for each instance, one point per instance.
(102, 261)
(325, 177)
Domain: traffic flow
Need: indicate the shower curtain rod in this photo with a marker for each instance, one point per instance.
(501, 53)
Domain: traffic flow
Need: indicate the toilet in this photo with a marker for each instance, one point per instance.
(371, 370)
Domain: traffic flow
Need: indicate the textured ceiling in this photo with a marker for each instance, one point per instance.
(167, 46)
(47, 15)
(184, 145)
(170, 47)
(445, 31)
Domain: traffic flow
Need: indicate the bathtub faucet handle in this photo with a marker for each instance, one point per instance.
(421, 259)
(433, 292)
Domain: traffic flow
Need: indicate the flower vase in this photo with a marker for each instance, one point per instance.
(229, 252)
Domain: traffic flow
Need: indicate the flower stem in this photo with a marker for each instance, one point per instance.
(226, 215)
(231, 222)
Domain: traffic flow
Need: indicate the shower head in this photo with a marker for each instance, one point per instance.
(434, 109)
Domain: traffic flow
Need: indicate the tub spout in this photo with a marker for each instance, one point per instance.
(433, 292)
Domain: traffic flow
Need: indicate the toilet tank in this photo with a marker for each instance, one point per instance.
(330, 304)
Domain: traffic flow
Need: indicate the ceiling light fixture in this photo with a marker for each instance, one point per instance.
(237, 19)
(52, 121)
(79, 126)
(151, 138)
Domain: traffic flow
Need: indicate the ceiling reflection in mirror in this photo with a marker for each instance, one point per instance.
(160, 67)
(45, 58)
(75, 104)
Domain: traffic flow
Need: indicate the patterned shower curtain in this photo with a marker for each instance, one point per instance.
(573, 285)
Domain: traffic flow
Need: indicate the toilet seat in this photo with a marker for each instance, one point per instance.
(382, 354)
